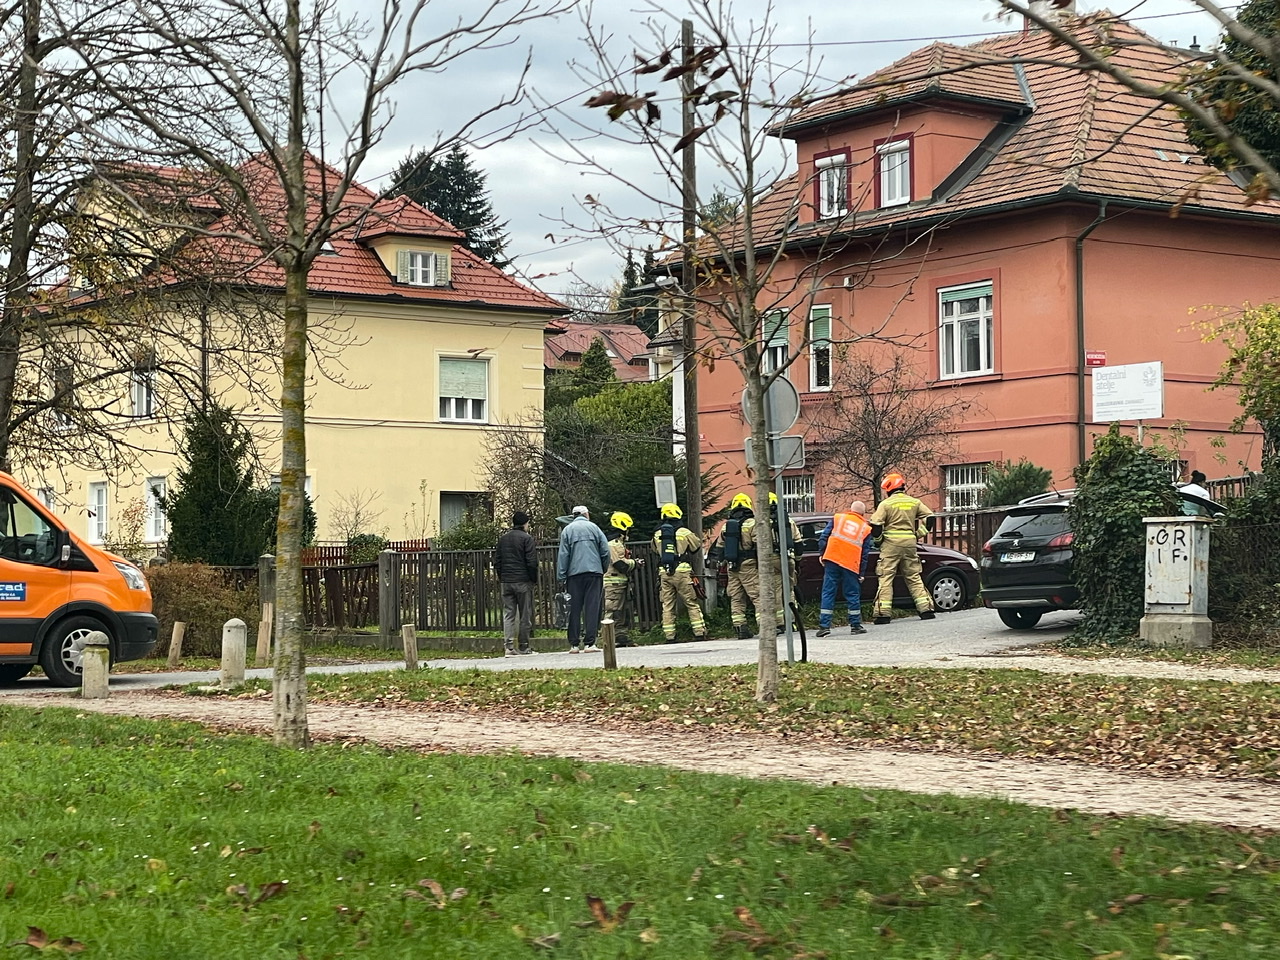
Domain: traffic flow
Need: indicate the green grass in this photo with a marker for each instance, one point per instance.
(142, 839)
(1167, 726)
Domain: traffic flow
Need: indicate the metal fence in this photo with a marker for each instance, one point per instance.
(1244, 584)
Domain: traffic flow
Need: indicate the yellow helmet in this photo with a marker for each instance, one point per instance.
(621, 520)
(740, 500)
(773, 498)
(671, 512)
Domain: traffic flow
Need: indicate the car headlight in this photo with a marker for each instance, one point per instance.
(132, 575)
(972, 562)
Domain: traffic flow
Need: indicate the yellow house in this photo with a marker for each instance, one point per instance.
(422, 349)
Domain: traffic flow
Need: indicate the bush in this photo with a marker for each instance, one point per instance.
(365, 547)
(1119, 485)
(204, 598)
(1009, 482)
(475, 532)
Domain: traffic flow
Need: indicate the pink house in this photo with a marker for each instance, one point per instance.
(1020, 216)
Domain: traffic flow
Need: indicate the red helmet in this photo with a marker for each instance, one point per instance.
(892, 482)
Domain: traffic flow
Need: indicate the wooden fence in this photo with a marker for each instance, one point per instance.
(335, 554)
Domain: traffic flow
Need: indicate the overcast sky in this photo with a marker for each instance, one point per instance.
(535, 191)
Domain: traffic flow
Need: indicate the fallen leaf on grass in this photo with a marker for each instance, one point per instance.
(1113, 955)
(548, 942)
(607, 921)
(272, 889)
(649, 935)
(9, 889)
(312, 829)
(755, 937)
(37, 939)
(897, 900)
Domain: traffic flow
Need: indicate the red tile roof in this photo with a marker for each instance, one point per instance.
(624, 341)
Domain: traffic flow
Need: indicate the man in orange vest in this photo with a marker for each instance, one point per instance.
(841, 545)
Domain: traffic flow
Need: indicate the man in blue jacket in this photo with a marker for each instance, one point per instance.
(580, 564)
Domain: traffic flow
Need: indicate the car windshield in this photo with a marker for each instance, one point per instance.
(1045, 524)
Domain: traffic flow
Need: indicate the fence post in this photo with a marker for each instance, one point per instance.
(607, 642)
(263, 651)
(267, 579)
(388, 597)
(96, 666)
(175, 644)
(409, 637)
(233, 647)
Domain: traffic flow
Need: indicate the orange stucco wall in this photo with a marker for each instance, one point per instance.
(1144, 273)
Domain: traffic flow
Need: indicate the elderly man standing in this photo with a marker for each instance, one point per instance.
(581, 563)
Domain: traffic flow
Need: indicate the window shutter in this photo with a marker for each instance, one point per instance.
(777, 330)
(402, 266)
(965, 293)
(464, 378)
(442, 269)
(820, 324)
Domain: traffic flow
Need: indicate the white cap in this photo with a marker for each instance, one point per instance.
(582, 511)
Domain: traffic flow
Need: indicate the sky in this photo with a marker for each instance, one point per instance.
(536, 188)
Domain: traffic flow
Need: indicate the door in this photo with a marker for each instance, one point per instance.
(31, 583)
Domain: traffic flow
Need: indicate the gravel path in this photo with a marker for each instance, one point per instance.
(1049, 784)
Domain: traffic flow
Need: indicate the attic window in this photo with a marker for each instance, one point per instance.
(420, 269)
(1241, 177)
(894, 161)
(832, 173)
(328, 249)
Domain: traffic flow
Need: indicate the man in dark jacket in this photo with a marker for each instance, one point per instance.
(516, 560)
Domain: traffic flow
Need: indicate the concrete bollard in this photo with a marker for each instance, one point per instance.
(608, 645)
(234, 633)
(262, 654)
(175, 644)
(409, 637)
(96, 665)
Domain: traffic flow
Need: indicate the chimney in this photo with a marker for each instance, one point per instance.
(1051, 9)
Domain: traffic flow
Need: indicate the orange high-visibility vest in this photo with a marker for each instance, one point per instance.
(844, 546)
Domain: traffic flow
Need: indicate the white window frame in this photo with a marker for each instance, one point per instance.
(99, 511)
(832, 173)
(894, 161)
(157, 521)
(142, 393)
(951, 352)
(819, 347)
(306, 483)
(48, 497)
(464, 409)
(422, 269)
(964, 484)
(799, 493)
(777, 341)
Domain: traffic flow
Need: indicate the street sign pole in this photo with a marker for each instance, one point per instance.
(784, 588)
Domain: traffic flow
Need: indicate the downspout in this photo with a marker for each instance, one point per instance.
(1081, 419)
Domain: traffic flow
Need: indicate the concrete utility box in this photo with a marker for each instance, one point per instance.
(1177, 597)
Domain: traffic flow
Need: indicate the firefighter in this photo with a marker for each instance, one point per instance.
(899, 522)
(617, 579)
(673, 543)
(791, 543)
(736, 546)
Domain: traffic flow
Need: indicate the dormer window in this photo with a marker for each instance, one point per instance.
(832, 174)
(893, 158)
(421, 269)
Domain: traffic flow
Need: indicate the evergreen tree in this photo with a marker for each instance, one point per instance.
(454, 189)
(638, 308)
(592, 375)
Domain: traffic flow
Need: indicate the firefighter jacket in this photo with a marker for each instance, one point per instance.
(746, 540)
(620, 565)
(901, 516)
(686, 544)
(843, 539)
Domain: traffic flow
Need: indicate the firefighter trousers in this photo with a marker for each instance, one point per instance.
(679, 585)
(899, 558)
(744, 586)
(615, 603)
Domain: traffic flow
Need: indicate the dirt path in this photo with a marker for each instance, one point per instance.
(1243, 803)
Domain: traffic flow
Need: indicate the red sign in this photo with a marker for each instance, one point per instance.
(1095, 358)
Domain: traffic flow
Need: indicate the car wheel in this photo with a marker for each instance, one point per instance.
(13, 672)
(1018, 619)
(62, 655)
(948, 592)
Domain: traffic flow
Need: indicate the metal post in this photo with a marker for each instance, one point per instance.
(785, 557)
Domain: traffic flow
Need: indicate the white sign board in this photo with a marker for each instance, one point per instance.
(664, 489)
(1132, 391)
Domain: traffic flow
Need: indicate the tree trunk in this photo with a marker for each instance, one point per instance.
(767, 655)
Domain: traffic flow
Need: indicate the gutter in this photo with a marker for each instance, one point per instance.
(1081, 419)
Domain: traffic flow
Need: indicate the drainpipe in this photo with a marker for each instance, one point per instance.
(1081, 419)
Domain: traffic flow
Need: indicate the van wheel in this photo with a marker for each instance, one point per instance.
(13, 672)
(1019, 618)
(62, 655)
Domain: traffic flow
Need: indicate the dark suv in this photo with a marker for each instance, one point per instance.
(1026, 565)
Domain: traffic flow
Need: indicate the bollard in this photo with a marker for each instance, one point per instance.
(607, 644)
(96, 666)
(175, 644)
(262, 654)
(233, 648)
(409, 637)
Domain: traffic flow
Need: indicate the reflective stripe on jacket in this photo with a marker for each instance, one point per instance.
(901, 516)
(686, 543)
(844, 545)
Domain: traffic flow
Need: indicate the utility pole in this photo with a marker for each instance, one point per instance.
(688, 281)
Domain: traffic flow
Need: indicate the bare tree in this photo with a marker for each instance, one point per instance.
(355, 512)
(243, 91)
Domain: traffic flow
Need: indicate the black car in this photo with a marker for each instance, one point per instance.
(1026, 565)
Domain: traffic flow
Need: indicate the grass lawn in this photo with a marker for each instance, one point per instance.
(1152, 725)
(140, 839)
(1255, 657)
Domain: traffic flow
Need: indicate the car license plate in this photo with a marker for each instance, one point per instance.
(1018, 557)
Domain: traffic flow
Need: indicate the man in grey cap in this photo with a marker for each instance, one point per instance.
(581, 563)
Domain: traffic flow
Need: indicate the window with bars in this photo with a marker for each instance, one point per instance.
(464, 390)
(1177, 469)
(966, 330)
(798, 493)
(820, 348)
(964, 484)
(777, 340)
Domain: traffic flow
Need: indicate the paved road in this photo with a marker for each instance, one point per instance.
(905, 642)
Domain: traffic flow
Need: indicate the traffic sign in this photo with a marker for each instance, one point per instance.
(781, 406)
(785, 453)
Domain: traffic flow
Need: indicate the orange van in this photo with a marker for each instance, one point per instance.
(56, 589)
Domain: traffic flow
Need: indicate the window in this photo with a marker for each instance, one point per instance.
(306, 483)
(820, 348)
(98, 512)
(142, 392)
(25, 536)
(421, 269)
(457, 507)
(1177, 470)
(777, 340)
(464, 389)
(797, 493)
(157, 522)
(48, 498)
(895, 172)
(965, 483)
(833, 185)
(965, 320)
(63, 396)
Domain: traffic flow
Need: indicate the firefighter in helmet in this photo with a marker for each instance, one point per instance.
(617, 579)
(675, 543)
(900, 521)
(736, 547)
